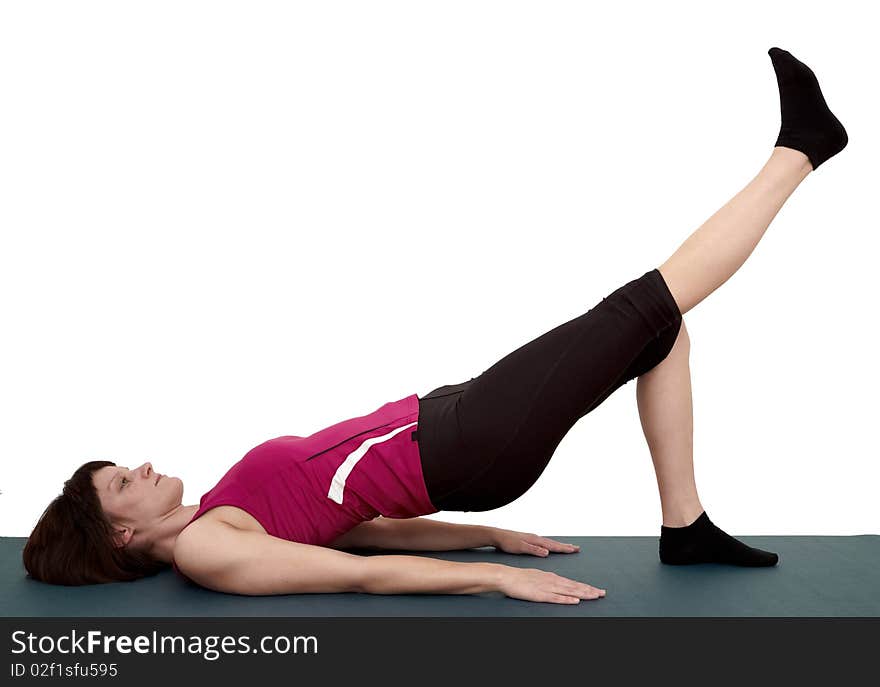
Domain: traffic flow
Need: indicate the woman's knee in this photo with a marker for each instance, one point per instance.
(682, 344)
(673, 343)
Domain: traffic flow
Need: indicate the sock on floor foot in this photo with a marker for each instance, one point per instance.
(703, 542)
(807, 123)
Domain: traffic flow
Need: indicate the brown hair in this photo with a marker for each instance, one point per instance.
(72, 543)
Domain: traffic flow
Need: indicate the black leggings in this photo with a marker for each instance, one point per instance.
(484, 442)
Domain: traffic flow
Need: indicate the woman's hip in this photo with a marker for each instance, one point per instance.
(516, 412)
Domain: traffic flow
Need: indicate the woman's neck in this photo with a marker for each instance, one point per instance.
(167, 531)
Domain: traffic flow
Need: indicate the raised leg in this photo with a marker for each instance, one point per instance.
(809, 135)
(720, 246)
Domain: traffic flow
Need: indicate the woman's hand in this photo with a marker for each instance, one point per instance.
(530, 584)
(510, 541)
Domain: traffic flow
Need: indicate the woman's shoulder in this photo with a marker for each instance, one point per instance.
(210, 526)
(212, 538)
(218, 517)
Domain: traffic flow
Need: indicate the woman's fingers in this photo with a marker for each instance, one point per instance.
(533, 584)
(589, 593)
(561, 599)
(574, 594)
(537, 550)
(562, 547)
(576, 588)
(553, 545)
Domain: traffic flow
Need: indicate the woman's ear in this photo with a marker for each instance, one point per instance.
(122, 535)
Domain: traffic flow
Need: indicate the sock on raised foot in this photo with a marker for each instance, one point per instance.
(807, 123)
(703, 542)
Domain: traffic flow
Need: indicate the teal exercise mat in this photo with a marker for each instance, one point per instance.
(816, 576)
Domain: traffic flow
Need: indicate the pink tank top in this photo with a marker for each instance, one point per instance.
(313, 489)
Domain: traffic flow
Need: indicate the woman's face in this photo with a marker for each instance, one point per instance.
(136, 498)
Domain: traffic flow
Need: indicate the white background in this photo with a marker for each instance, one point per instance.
(226, 222)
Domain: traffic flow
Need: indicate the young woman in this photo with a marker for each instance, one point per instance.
(276, 521)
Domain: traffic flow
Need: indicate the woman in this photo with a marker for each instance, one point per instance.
(277, 521)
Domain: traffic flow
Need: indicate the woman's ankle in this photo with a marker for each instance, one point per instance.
(792, 158)
(682, 515)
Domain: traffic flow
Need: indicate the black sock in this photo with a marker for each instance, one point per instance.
(807, 123)
(703, 542)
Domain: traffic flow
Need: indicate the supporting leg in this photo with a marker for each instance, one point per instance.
(666, 413)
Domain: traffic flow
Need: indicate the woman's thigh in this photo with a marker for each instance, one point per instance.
(489, 439)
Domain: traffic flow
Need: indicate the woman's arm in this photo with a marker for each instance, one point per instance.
(227, 559)
(415, 534)
(422, 534)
